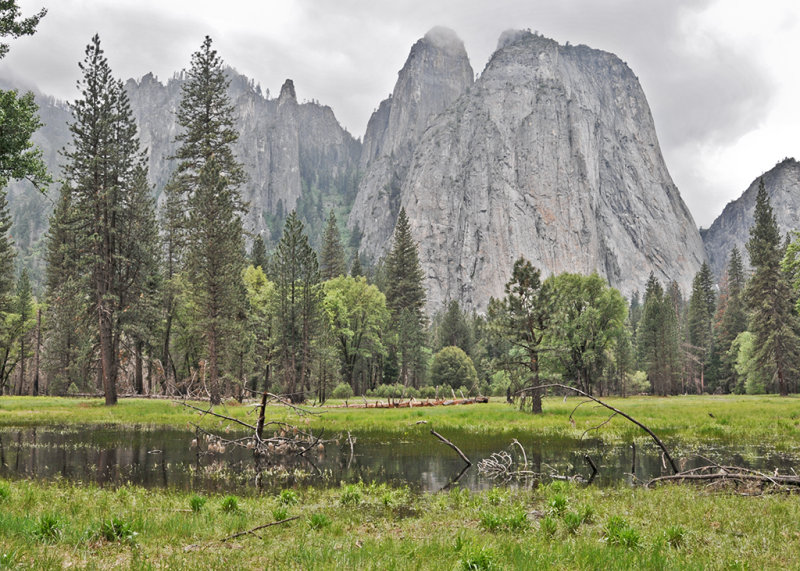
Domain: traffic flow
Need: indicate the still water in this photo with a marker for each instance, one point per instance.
(164, 457)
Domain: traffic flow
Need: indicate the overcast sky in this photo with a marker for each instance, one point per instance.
(721, 76)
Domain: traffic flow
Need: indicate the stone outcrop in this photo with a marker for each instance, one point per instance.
(552, 154)
(435, 74)
(732, 227)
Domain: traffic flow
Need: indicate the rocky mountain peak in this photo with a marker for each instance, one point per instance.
(732, 227)
(436, 73)
(552, 154)
(287, 91)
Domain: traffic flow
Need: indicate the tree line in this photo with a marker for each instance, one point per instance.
(175, 304)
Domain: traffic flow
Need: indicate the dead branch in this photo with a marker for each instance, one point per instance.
(256, 528)
(218, 415)
(734, 474)
(594, 468)
(453, 446)
(655, 438)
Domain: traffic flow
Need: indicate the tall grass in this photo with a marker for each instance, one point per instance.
(670, 527)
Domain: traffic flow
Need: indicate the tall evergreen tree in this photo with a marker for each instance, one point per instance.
(206, 181)
(453, 329)
(106, 178)
(731, 319)
(405, 298)
(769, 299)
(331, 258)
(258, 254)
(295, 271)
(355, 267)
(520, 320)
(702, 307)
(658, 338)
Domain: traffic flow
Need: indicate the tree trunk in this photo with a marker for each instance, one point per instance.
(138, 374)
(213, 372)
(35, 384)
(106, 356)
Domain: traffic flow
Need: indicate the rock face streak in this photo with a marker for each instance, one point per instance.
(552, 155)
(732, 227)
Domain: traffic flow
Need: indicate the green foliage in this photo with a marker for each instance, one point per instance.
(675, 536)
(229, 504)
(280, 513)
(754, 381)
(297, 310)
(453, 329)
(103, 234)
(331, 257)
(548, 526)
(258, 254)
(520, 321)
(557, 503)
(588, 320)
(351, 495)
(196, 503)
(357, 316)
(405, 298)
(769, 298)
(48, 528)
(5, 492)
(491, 521)
(288, 498)
(342, 391)
(319, 521)
(572, 521)
(617, 531)
(658, 339)
(452, 367)
(13, 25)
(116, 529)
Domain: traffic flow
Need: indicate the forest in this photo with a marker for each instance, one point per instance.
(186, 302)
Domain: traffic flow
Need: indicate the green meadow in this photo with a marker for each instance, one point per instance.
(61, 524)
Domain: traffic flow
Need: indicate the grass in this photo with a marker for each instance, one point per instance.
(768, 420)
(671, 527)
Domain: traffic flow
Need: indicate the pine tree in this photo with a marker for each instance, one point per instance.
(331, 259)
(405, 298)
(24, 311)
(454, 330)
(658, 338)
(295, 271)
(355, 267)
(769, 299)
(106, 178)
(731, 318)
(521, 320)
(258, 254)
(702, 307)
(207, 181)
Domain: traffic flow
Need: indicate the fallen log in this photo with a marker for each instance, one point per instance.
(413, 403)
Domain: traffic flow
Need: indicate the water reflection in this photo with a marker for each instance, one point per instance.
(163, 457)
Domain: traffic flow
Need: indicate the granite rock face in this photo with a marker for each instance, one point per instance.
(552, 154)
(435, 74)
(732, 227)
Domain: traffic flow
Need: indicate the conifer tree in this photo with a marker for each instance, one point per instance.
(331, 259)
(769, 299)
(355, 267)
(258, 254)
(658, 338)
(454, 330)
(702, 307)
(106, 183)
(405, 298)
(295, 271)
(24, 316)
(206, 181)
(731, 318)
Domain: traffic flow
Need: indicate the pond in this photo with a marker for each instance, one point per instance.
(165, 457)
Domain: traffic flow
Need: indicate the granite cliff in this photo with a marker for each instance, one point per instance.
(732, 227)
(552, 154)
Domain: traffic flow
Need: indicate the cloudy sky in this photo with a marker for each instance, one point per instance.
(721, 76)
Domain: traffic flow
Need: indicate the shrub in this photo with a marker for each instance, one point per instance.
(5, 492)
(490, 521)
(558, 503)
(478, 560)
(518, 520)
(351, 496)
(288, 498)
(675, 536)
(280, 513)
(230, 504)
(572, 521)
(115, 529)
(47, 528)
(197, 503)
(342, 391)
(452, 367)
(427, 392)
(548, 526)
(319, 521)
(618, 532)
